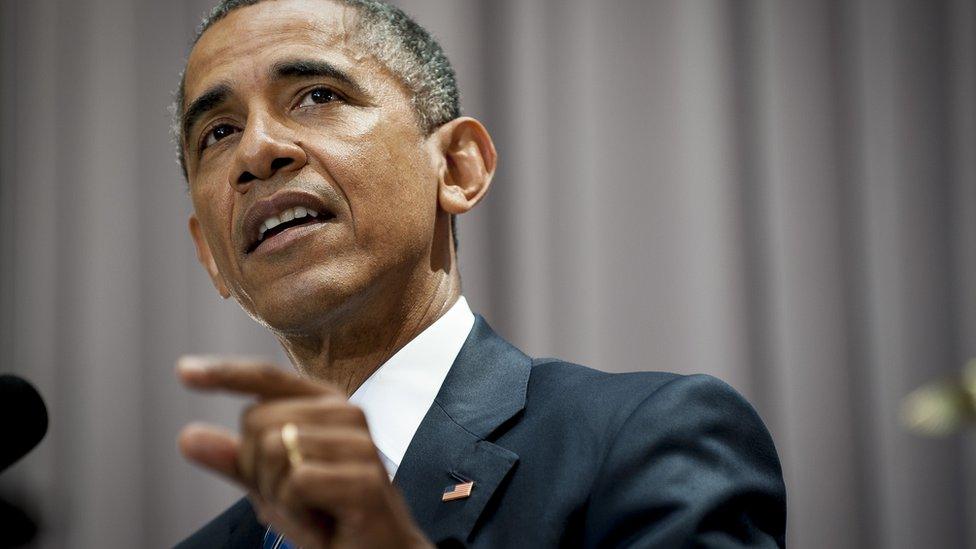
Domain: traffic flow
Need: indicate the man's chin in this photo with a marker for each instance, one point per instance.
(323, 296)
(296, 317)
(301, 313)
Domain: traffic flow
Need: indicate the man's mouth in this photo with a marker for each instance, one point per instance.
(283, 215)
(292, 217)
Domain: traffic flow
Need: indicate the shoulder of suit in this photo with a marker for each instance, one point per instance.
(573, 390)
(577, 382)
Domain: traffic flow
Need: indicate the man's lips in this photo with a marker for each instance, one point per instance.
(285, 237)
(274, 210)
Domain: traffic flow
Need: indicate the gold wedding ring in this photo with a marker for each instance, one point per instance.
(289, 437)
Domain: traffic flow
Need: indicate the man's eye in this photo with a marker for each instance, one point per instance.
(318, 96)
(218, 133)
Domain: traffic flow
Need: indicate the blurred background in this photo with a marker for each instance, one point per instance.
(779, 193)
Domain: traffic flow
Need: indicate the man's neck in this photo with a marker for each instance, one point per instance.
(346, 353)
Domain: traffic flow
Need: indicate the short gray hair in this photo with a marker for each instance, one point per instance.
(405, 48)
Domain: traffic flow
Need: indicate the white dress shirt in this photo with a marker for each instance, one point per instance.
(398, 394)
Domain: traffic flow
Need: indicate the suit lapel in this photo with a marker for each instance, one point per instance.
(244, 530)
(485, 388)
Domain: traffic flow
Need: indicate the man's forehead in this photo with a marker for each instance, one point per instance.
(289, 28)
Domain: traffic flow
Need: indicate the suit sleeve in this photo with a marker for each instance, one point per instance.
(692, 466)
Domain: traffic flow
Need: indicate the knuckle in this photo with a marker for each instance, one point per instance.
(328, 402)
(360, 445)
(301, 476)
(348, 445)
(369, 483)
(301, 482)
(263, 370)
(287, 493)
(335, 411)
(356, 414)
(250, 416)
(377, 477)
(271, 445)
(268, 373)
(365, 482)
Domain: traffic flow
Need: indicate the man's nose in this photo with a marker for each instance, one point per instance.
(266, 147)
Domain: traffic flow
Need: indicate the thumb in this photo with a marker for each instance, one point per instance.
(213, 448)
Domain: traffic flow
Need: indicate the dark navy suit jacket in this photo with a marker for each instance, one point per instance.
(563, 455)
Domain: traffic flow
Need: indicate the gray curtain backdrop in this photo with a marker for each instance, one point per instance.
(779, 193)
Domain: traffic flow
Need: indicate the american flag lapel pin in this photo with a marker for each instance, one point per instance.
(457, 491)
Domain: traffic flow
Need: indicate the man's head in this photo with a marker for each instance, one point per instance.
(404, 48)
(342, 107)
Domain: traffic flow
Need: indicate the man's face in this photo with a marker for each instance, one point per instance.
(291, 116)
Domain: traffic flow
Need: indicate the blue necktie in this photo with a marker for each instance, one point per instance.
(274, 540)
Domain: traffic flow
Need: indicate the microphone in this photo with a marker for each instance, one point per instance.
(23, 418)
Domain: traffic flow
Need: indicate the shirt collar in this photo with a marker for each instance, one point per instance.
(396, 397)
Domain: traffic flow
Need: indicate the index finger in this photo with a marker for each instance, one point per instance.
(247, 376)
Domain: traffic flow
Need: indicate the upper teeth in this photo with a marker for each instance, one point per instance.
(284, 217)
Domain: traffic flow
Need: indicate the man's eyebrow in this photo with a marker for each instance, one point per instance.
(311, 68)
(208, 101)
(296, 68)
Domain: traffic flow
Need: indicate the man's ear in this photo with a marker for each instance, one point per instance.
(205, 257)
(469, 164)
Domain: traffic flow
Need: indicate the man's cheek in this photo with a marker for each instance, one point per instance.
(220, 247)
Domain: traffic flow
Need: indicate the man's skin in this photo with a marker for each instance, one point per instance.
(342, 296)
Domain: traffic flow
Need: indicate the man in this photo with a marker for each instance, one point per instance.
(326, 159)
